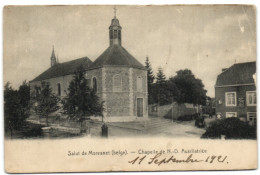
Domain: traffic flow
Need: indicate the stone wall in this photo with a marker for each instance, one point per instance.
(173, 110)
(140, 94)
(123, 103)
(97, 73)
(116, 102)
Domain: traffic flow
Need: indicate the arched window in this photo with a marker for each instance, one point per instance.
(59, 90)
(117, 83)
(115, 34)
(94, 84)
(139, 83)
(111, 34)
(119, 34)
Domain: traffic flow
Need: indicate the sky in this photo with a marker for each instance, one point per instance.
(204, 39)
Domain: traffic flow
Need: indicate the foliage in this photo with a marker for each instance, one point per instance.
(16, 106)
(181, 88)
(81, 101)
(173, 92)
(45, 101)
(150, 80)
(232, 128)
(161, 91)
(191, 89)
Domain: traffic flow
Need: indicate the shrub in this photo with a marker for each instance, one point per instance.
(232, 128)
(185, 118)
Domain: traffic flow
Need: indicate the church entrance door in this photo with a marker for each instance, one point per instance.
(139, 107)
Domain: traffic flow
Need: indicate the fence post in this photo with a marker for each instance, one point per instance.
(104, 130)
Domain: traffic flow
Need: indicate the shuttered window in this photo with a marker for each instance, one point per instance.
(251, 98)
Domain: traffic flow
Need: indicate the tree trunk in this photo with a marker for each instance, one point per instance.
(47, 121)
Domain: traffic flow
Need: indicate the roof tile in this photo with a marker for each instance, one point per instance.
(116, 55)
(66, 68)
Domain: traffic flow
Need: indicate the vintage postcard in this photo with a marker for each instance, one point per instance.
(94, 88)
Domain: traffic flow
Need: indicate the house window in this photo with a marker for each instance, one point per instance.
(59, 90)
(117, 83)
(231, 98)
(139, 84)
(231, 114)
(251, 118)
(94, 84)
(251, 98)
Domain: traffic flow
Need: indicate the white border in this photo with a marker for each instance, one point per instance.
(136, 2)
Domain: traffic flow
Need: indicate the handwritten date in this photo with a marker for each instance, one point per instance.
(159, 160)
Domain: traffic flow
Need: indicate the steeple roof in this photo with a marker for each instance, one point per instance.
(53, 53)
(116, 55)
(115, 22)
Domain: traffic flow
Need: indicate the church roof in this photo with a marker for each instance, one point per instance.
(116, 55)
(66, 68)
(237, 74)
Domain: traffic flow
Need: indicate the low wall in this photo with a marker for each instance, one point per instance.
(120, 118)
(173, 110)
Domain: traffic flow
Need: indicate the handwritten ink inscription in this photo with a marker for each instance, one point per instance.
(158, 159)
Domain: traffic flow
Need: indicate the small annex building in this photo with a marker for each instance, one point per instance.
(235, 92)
(118, 78)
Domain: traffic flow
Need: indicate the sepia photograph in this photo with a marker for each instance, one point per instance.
(81, 77)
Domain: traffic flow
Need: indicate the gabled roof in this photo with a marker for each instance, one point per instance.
(116, 55)
(237, 74)
(66, 68)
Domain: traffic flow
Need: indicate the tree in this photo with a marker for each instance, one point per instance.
(191, 89)
(81, 101)
(16, 106)
(45, 101)
(161, 91)
(24, 94)
(150, 80)
(173, 91)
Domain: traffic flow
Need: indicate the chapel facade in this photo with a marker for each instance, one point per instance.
(118, 78)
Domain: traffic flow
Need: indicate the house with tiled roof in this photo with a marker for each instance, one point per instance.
(118, 78)
(235, 92)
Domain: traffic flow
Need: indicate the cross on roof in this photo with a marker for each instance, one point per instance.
(115, 11)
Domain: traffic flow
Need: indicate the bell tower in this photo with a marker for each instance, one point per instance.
(115, 31)
(53, 58)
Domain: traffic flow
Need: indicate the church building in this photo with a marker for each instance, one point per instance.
(118, 78)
